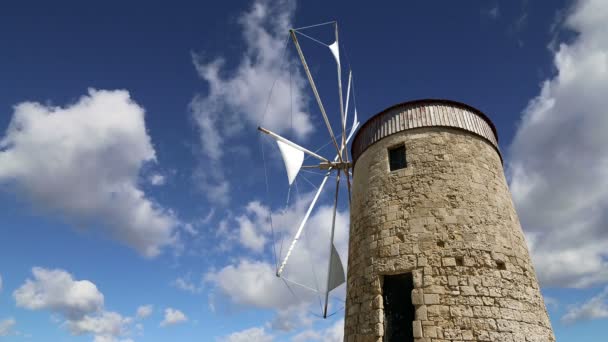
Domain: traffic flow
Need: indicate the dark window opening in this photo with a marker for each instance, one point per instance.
(440, 244)
(399, 312)
(396, 157)
(501, 265)
(459, 261)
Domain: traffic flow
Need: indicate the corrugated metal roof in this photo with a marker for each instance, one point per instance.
(423, 113)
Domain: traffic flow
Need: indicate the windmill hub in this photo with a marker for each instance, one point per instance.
(345, 166)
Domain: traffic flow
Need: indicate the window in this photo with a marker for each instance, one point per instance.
(396, 157)
(399, 312)
(459, 261)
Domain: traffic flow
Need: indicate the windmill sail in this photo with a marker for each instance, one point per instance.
(336, 270)
(335, 50)
(354, 127)
(293, 159)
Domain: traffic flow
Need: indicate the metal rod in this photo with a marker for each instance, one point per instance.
(299, 231)
(314, 90)
(348, 185)
(291, 143)
(331, 244)
(350, 76)
(340, 94)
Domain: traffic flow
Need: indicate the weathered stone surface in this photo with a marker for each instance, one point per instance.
(449, 219)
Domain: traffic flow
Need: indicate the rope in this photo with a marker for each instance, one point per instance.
(340, 309)
(313, 39)
(274, 249)
(311, 26)
(274, 82)
(309, 182)
(291, 98)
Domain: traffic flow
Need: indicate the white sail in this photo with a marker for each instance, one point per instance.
(335, 50)
(336, 270)
(293, 159)
(354, 127)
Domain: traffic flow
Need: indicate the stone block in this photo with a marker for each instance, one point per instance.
(431, 298)
(417, 329)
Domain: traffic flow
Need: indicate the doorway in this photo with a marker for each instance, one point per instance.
(399, 312)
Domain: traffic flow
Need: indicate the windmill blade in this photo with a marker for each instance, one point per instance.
(315, 91)
(293, 159)
(331, 245)
(336, 270)
(292, 144)
(302, 224)
(354, 127)
(350, 77)
(335, 50)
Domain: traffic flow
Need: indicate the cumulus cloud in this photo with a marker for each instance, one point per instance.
(83, 162)
(251, 282)
(173, 317)
(106, 326)
(79, 301)
(144, 311)
(237, 99)
(334, 333)
(558, 161)
(6, 326)
(258, 334)
(292, 317)
(595, 308)
(57, 291)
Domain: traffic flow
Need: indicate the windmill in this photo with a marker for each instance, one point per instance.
(339, 166)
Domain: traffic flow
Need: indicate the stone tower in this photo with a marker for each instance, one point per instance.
(436, 251)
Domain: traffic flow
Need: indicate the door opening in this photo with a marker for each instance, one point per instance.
(399, 312)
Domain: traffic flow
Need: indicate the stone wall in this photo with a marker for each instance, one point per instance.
(449, 219)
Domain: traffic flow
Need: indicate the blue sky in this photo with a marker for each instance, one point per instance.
(132, 186)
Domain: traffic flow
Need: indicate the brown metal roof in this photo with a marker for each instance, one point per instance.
(356, 150)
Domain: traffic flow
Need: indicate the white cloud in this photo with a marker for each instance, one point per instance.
(6, 326)
(595, 308)
(239, 98)
(173, 317)
(106, 326)
(79, 301)
(292, 317)
(83, 161)
(252, 283)
(257, 334)
(186, 284)
(57, 291)
(157, 179)
(334, 333)
(144, 311)
(558, 161)
(551, 302)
